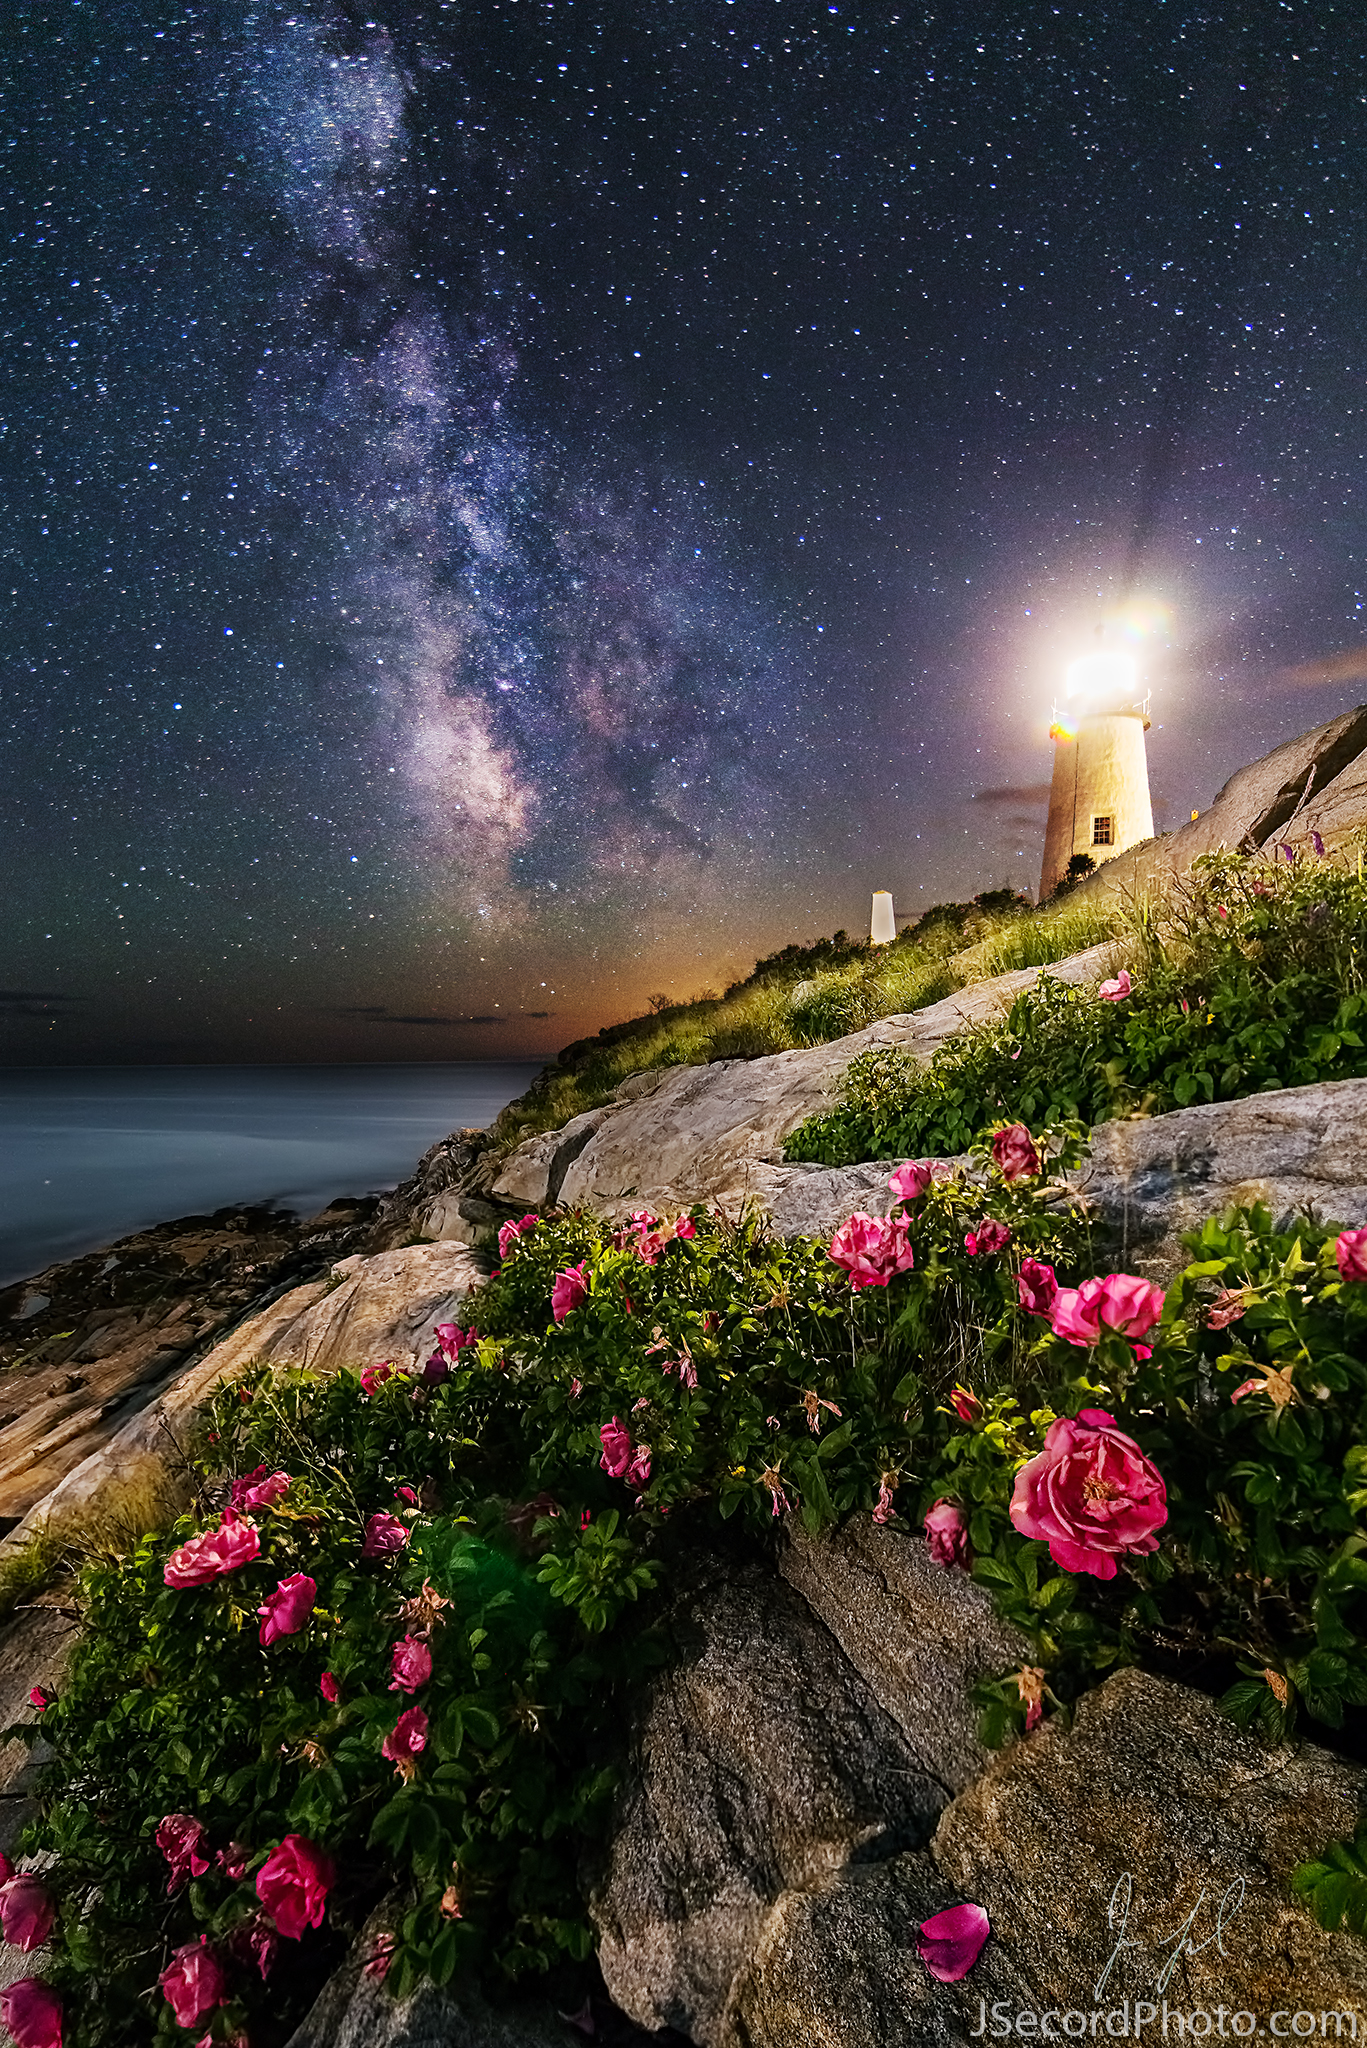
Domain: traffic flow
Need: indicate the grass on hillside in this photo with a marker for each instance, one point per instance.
(808, 995)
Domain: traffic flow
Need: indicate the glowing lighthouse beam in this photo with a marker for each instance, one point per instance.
(1099, 797)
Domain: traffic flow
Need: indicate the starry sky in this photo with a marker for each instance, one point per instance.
(512, 505)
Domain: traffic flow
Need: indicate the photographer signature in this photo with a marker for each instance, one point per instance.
(1178, 1944)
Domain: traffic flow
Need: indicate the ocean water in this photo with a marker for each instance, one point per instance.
(88, 1154)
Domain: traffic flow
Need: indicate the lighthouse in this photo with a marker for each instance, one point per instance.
(1099, 797)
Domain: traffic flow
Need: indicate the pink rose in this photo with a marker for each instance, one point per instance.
(966, 1405)
(1350, 1252)
(685, 1228)
(41, 1698)
(950, 1943)
(194, 1982)
(183, 1841)
(910, 1181)
(1091, 1494)
(258, 1490)
(1038, 1287)
(616, 1442)
(511, 1232)
(385, 1535)
(947, 1535)
(207, 1557)
(287, 1609)
(27, 1911)
(453, 1340)
(6, 1868)
(872, 1249)
(571, 1287)
(412, 1665)
(406, 1738)
(32, 2011)
(1117, 990)
(1114, 1301)
(293, 1885)
(329, 1688)
(375, 1376)
(1014, 1151)
(990, 1236)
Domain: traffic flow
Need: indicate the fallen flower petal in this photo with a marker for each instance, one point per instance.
(950, 1943)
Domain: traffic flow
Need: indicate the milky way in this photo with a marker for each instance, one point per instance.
(510, 507)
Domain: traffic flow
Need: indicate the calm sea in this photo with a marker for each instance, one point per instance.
(88, 1154)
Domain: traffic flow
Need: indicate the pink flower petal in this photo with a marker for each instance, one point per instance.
(950, 1943)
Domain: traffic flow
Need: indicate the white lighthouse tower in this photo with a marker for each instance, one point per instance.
(1099, 799)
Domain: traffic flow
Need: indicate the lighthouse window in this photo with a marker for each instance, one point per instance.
(1103, 833)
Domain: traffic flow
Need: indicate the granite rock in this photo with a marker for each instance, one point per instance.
(920, 1636)
(759, 1762)
(710, 1134)
(1154, 1832)
(1149, 1180)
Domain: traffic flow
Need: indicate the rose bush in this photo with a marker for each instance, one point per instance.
(486, 1550)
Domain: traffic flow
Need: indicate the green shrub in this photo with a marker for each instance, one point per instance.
(1253, 981)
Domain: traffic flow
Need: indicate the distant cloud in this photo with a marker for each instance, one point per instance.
(376, 1013)
(35, 1002)
(1348, 667)
(1017, 793)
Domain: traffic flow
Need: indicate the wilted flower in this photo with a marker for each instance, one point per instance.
(950, 1943)
(1014, 1151)
(293, 1885)
(287, 1609)
(1117, 990)
(381, 1956)
(947, 1535)
(194, 1982)
(405, 1740)
(571, 1287)
(1030, 1689)
(1350, 1254)
(259, 1489)
(423, 1611)
(233, 1861)
(1276, 1385)
(255, 1941)
(990, 1236)
(772, 1478)
(203, 1558)
(412, 1665)
(1091, 1494)
(883, 1510)
(813, 1405)
(450, 1903)
(1227, 1307)
(27, 1910)
(911, 1180)
(872, 1249)
(385, 1535)
(183, 1841)
(32, 2011)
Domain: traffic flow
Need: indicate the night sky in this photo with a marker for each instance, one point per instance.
(510, 507)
